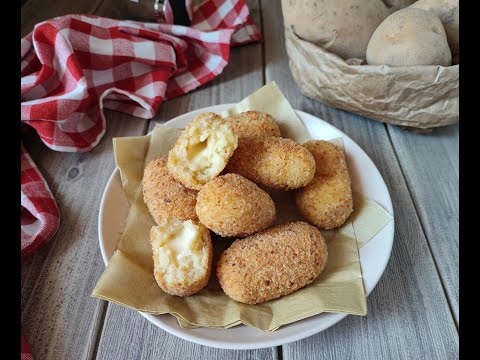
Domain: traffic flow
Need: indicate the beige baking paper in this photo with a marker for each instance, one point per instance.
(128, 279)
(417, 97)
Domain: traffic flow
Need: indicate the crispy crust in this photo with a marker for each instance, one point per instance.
(327, 201)
(220, 133)
(231, 205)
(253, 123)
(273, 162)
(165, 197)
(183, 289)
(273, 263)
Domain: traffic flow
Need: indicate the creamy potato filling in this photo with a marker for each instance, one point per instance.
(202, 150)
(198, 155)
(207, 150)
(180, 251)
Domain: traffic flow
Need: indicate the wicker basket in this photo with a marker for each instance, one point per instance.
(419, 97)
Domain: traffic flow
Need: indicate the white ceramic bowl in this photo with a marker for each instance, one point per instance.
(373, 256)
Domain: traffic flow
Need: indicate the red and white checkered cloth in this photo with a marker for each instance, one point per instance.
(74, 66)
(40, 217)
(25, 352)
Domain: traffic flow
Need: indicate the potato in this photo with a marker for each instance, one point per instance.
(202, 150)
(273, 162)
(182, 256)
(231, 205)
(409, 37)
(342, 27)
(273, 263)
(165, 197)
(327, 201)
(447, 12)
(394, 5)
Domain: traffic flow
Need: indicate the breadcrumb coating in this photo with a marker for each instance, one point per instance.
(273, 162)
(165, 197)
(231, 205)
(253, 123)
(327, 201)
(272, 263)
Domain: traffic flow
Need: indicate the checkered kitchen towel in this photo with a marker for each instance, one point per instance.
(73, 66)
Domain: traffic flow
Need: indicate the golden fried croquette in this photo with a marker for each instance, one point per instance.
(253, 123)
(327, 201)
(231, 205)
(272, 263)
(165, 197)
(182, 256)
(202, 150)
(273, 162)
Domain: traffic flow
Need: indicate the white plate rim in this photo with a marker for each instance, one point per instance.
(333, 318)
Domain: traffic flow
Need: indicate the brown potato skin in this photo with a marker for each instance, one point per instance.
(165, 197)
(272, 263)
(409, 37)
(327, 201)
(274, 162)
(231, 205)
(394, 5)
(253, 123)
(448, 13)
(341, 27)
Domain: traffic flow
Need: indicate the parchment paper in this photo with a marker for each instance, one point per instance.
(128, 279)
(417, 97)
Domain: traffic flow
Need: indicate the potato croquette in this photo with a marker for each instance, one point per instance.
(253, 123)
(202, 150)
(165, 197)
(327, 201)
(273, 162)
(272, 263)
(182, 256)
(231, 205)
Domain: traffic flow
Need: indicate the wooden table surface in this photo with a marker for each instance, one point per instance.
(412, 312)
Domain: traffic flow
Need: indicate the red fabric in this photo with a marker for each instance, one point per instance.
(26, 353)
(74, 66)
(40, 217)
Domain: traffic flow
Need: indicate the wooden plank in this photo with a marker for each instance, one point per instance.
(409, 316)
(127, 334)
(430, 166)
(59, 318)
(35, 11)
(128, 10)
